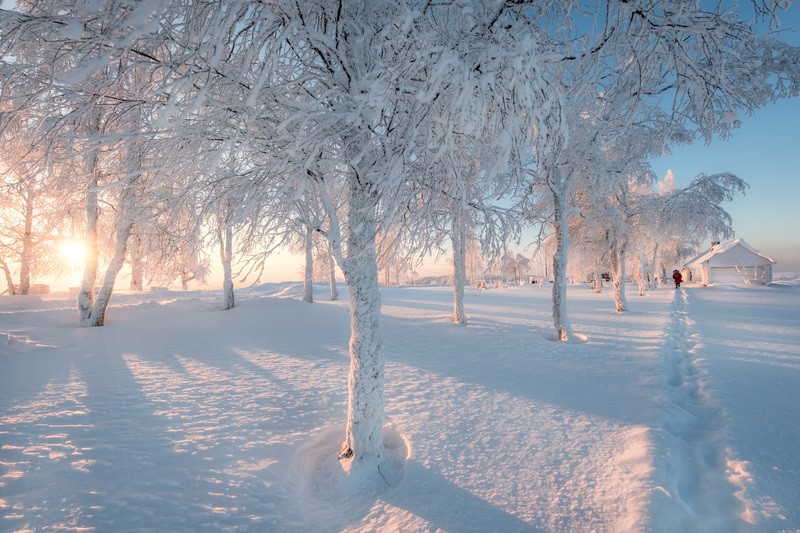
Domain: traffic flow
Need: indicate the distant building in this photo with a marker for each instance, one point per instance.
(734, 262)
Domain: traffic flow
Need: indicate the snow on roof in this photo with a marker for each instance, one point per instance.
(724, 247)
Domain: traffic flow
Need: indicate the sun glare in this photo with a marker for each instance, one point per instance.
(73, 252)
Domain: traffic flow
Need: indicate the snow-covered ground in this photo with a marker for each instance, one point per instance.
(681, 415)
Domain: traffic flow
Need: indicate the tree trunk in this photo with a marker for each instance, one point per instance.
(9, 280)
(642, 273)
(27, 248)
(656, 279)
(618, 277)
(459, 238)
(308, 279)
(652, 283)
(137, 265)
(226, 255)
(124, 225)
(97, 314)
(560, 319)
(598, 282)
(332, 278)
(186, 277)
(366, 383)
(86, 293)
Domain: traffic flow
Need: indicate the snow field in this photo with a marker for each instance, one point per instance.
(177, 417)
(750, 346)
(519, 433)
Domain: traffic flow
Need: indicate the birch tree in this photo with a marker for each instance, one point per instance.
(385, 100)
(699, 66)
(94, 90)
(225, 240)
(30, 217)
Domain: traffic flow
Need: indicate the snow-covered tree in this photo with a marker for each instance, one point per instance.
(325, 267)
(34, 205)
(475, 264)
(515, 266)
(677, 70)
(637, 217)
(28, 218)
(396, 82)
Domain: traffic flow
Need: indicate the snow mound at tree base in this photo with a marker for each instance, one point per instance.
(576, 337)
(329, 485)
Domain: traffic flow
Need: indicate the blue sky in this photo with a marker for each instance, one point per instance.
(765, 152)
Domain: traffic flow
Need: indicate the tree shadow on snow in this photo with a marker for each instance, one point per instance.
(331, 500)
(428, 494)
(512, 358)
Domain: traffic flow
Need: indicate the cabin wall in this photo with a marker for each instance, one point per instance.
(740, 274)
(736, 256)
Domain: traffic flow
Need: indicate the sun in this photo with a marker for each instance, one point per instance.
(73, 252)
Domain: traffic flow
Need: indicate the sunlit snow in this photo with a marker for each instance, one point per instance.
(680, 415)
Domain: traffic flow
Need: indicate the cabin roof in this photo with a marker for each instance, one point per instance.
(724, 247)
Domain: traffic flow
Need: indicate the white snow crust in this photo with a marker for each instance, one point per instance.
(680, 415)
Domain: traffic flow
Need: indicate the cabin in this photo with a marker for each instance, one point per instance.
(733, 262)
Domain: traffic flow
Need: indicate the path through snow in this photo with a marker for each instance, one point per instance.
(692, 458)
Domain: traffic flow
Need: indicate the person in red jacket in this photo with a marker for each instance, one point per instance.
(676, 275)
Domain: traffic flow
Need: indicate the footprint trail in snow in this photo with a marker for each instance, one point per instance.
(700, 496)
